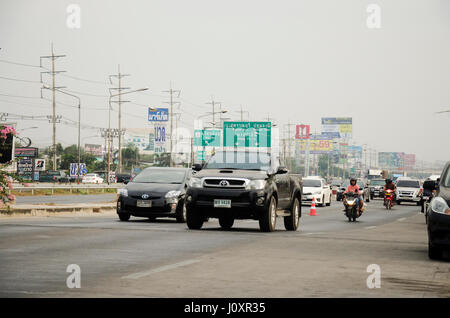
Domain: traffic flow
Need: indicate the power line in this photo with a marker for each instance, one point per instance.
(19, 80)
(21, 64)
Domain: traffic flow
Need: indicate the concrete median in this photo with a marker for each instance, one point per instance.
(60, 209)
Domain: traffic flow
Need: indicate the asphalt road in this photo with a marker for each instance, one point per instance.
(327, 257)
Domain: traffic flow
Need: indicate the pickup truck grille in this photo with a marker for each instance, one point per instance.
(224, 183)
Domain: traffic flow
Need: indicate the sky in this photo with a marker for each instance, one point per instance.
(291, 60)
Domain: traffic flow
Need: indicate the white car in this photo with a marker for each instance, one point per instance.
(317, 188)
(408, 190)
(92, 178)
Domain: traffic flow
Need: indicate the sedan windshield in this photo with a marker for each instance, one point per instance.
(239, 160)
(160, 176)
(408, 184)
(312, 183)
(377, 182)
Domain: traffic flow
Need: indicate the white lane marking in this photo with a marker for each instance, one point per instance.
(401, 219)
(370, 227)
(160, 269)
(312, 233)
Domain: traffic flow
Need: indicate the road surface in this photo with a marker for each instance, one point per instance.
(327, 257)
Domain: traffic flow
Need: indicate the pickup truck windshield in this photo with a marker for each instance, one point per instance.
(377, 182)
(239, 160)
(312, 183)
(408, 184)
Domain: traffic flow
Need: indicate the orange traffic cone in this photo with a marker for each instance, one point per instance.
(312, 211)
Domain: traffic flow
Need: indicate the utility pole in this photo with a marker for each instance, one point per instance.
(119, 91)
(242, 111)
(289, 144)
(53, 72)
(214, 103)
(171, 102)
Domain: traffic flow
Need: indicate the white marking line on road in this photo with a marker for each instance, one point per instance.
(160, 269)
(370, 227)
(401, 219)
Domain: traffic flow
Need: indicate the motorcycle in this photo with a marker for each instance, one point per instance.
(351, 208)
(388, 199)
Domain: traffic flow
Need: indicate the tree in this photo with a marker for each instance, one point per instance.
(130, 156)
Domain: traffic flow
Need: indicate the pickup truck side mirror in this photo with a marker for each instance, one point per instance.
(282, 170)
(197, 167)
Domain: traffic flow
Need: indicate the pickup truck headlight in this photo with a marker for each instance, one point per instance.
(256, 185)
(317, 192)
(439, 205)
(195, 182)
(172, 194)
(123, 192)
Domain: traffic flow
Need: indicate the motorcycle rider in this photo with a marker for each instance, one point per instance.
(353, 187)
(391, 186)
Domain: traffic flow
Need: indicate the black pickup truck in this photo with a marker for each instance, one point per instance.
(243, 185)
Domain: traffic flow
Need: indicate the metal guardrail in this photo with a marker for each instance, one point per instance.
(70, 187)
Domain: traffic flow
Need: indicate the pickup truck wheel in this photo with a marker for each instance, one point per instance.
(226, 222)
(194, 219)
(291, 221)
(268, 218)
(124, 216)
(323, 202)
(434, 252)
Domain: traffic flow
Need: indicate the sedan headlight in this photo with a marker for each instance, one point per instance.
(439, 205)
(195, 182)
(123, 192)
(256, 185)
(172, 194)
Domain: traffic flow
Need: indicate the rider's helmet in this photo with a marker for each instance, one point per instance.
(352, 179)
(388, 181)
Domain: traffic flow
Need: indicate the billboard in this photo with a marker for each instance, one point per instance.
(30, 152)
(396, 160)
(302, 131)
(318, 144)
(25, 167)
(74, 169)
(160, 114)
(39, 164)
(247, 134)
(205, 138)
(337, 127)
(6, 149)
(92, 149)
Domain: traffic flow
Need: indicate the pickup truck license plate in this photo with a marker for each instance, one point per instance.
(219, 203)
(144, 204)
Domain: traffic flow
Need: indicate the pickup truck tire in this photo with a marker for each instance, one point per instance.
(124, 216)
(323, 202)
(226, 222)
(268, 219)
(434, 252)
(194, 219)
(291, 221)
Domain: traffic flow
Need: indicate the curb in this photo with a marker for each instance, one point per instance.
(40, 210)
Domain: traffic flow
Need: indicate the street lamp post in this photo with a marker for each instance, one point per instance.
(120, 133)
(79, 127)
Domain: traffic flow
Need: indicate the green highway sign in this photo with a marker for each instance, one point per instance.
(205, 138)
(247, 134)
(201, 155)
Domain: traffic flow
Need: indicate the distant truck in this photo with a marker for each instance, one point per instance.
(377, 174)
(54, 176)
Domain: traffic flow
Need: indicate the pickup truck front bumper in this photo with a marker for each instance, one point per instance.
(245, 204)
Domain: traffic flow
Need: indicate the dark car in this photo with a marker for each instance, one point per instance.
(362, 187)
(439, 217)
(376, 187)
(155, 192)
(123, 178)
(429, 186)
(244, 185)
